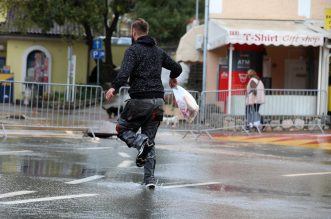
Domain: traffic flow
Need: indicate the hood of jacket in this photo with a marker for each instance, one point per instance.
(146, 40)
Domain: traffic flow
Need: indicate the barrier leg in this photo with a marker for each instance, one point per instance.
(244, 129)
(258, 130)
(320, 127)
(186, 133)
(91, 129)
(4, 131)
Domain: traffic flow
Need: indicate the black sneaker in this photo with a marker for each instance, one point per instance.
(143, 152)
(150, 183)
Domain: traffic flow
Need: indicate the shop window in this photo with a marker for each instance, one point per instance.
(304, 7)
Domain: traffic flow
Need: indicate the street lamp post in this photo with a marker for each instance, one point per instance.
(197, 12)
(205, 41)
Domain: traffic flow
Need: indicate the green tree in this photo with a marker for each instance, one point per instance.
(96, 17)
(167, 18)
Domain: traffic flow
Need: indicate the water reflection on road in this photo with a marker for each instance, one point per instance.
(56, 159)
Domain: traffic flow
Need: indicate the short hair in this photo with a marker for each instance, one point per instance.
(251, 73)
(141, 26)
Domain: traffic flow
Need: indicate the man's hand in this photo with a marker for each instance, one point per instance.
(172, 82)
(110, 94)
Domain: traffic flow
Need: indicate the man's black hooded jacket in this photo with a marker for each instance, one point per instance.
(142, 65)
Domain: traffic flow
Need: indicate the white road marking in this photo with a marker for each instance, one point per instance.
(125, 163)
(125, 155)
(94, 148)
(12, 194)
(87, 179)
(46, 199)
(14, 152)
(307, 174)
(190, 185)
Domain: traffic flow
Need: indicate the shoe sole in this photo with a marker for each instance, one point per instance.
(150, 186)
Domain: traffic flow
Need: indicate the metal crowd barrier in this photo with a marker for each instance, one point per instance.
(53, 105)
(225, 110)
(173, 119)
(50, 105)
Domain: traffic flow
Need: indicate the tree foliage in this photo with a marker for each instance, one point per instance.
(167, 18)
(97, 17)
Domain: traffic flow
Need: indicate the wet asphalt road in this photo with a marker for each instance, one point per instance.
(196, 179)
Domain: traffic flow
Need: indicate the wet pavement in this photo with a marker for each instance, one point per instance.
(79, 177)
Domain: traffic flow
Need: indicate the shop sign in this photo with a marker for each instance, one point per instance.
(327, 23)
(274, 38)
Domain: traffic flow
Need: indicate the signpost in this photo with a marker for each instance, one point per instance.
(97, 53)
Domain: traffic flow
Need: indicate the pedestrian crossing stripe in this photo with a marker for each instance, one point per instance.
(306, 141)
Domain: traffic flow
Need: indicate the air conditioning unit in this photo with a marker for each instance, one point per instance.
(199, 42)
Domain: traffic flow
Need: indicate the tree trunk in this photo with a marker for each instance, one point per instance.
(89, 42)
(108, 67)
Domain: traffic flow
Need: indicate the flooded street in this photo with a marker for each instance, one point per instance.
(86, 178)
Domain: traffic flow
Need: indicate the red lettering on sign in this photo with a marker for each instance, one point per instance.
(234, 32)
(247, 36)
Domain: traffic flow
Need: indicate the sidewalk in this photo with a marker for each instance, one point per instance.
(306, 140)
(105, 128)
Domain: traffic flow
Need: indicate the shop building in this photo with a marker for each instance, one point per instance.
(284, 41)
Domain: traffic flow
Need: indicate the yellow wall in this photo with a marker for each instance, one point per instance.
(118, 54)
(58, 52)
(58, 49)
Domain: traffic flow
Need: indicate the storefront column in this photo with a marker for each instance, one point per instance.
(319, 85)
(323, 77)
(231, 48)
(326, 59)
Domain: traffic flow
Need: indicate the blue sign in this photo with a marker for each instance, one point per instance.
(98, 54)
(97, 43)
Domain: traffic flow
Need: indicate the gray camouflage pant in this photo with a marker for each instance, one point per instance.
(144, 114)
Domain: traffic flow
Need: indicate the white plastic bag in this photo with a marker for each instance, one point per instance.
(186, 103)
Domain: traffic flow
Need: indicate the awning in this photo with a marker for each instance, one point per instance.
(188, 50)
(262, 32)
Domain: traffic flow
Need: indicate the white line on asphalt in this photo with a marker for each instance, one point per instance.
(308, 174)
(14, 152)
(47, 199)
(12, 194)
(125, 155)
(87, 179)
(190, 185)
(125, 163)
(94, 148)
